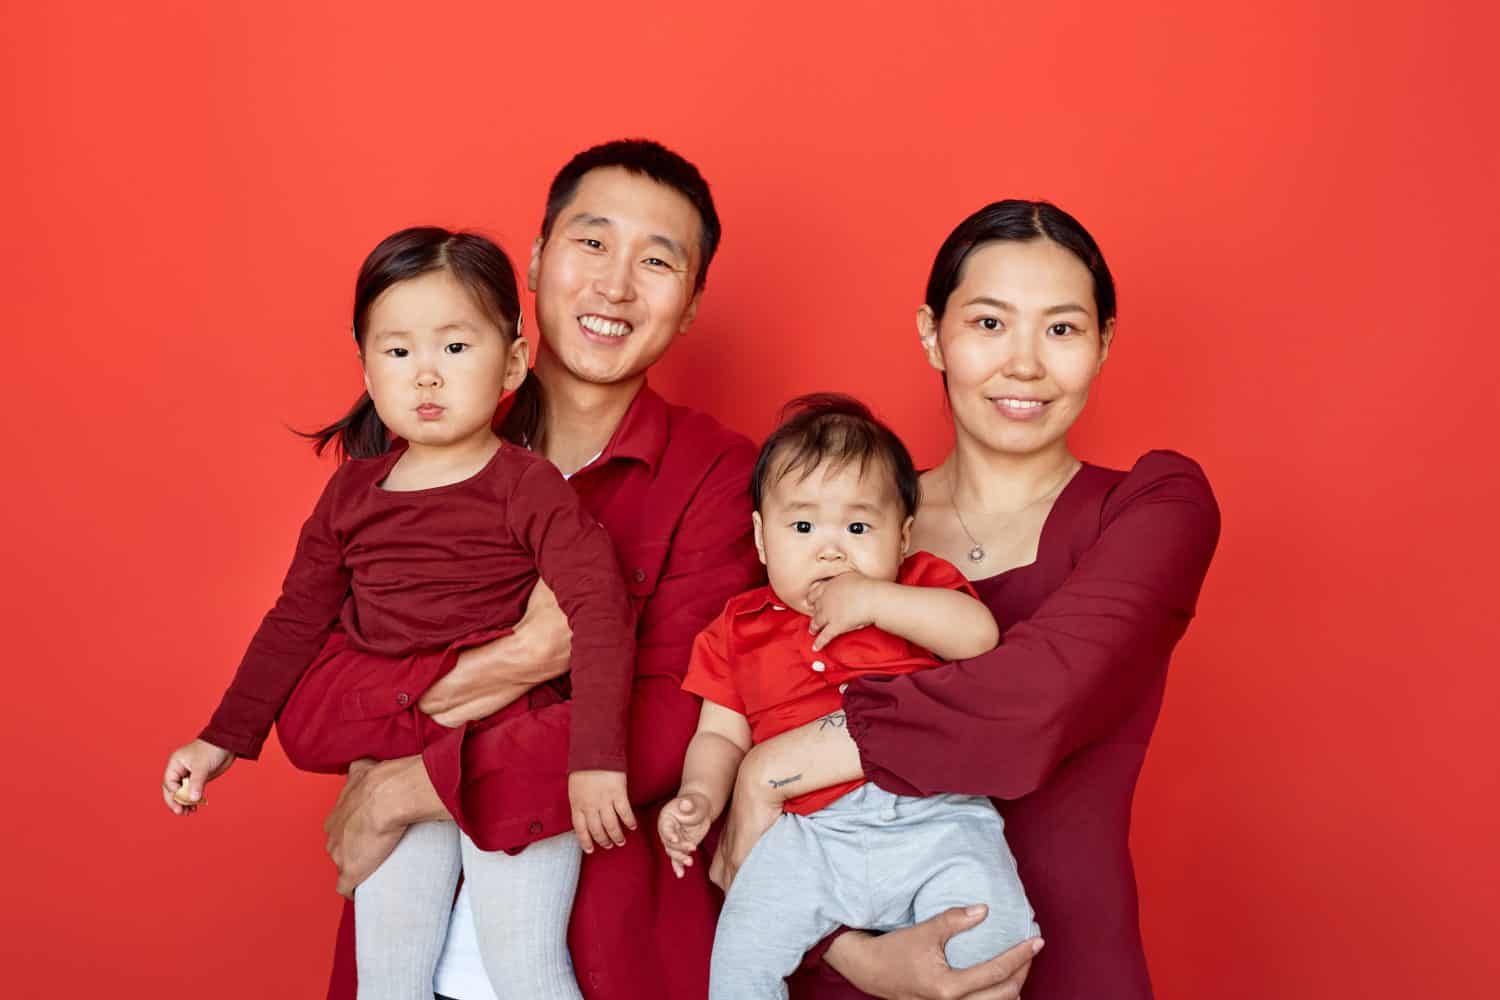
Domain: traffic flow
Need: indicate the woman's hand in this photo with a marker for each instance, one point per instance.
(910, 964)
(755, 806)
(487, 678)
(377, 804)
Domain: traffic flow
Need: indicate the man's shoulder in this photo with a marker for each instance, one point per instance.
(693, 430)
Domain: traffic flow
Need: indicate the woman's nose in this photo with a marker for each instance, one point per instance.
(1023, 361)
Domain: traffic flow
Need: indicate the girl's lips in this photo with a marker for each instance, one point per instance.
(429, 411)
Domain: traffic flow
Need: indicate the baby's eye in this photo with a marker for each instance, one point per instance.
(456, 348)
(802, 527)
(989, 323)
(859, 528)
(396, 352)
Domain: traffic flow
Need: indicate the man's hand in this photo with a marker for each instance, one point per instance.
(846, 603)
(360, 836)
(486, 678)
(910, 964)
(196, 764)
(601, 808)
(682, 824)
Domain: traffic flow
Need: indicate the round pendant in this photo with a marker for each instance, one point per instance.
(976, 554)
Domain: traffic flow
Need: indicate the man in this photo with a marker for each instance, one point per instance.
(618, 270)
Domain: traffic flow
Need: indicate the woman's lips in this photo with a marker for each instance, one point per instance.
(1016, 408)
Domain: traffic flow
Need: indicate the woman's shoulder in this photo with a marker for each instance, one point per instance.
(1160, 484)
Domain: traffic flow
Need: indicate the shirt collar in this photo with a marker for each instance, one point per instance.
(643, 432)
(758, 600)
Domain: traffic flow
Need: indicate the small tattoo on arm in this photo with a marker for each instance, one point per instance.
(832, 719)
(782, 782)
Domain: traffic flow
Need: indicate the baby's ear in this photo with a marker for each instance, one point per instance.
(760, 536)
(906, 535)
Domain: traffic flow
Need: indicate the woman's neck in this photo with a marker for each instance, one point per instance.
(580, 417)
(990, 482)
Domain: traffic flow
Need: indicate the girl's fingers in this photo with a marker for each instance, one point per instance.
(581, 830)
(612, 825)
(622, 807)
(596, 829)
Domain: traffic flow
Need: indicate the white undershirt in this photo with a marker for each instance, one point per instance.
(460, 970)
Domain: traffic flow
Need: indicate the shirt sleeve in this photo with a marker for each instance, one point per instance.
(708, 672)
(575, 557)
(506, 785)
(289, 637)
(1065, 677)
(923, 569)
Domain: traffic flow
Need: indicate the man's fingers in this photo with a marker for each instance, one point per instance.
(1004, 973)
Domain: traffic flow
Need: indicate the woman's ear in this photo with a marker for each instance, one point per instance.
(927, 333)
(1106, 337)
(760, 536)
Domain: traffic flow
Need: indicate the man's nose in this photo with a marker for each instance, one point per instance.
(615, 281)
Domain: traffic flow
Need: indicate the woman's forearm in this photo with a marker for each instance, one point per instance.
(812, 756)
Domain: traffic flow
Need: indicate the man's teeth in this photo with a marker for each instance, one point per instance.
(1019, 404)
(604, 327)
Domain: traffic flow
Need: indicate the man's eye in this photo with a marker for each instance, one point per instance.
(591, 243)
(859, 528)
(397, 352)
(802, 527)
(657, 262)
(456, 348)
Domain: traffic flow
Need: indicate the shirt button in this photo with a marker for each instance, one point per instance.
(819, 666)
(778, 607)
(639, 576)
(402, 698)
(535, 828)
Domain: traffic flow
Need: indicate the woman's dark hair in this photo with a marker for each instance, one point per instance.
(474, 261)
(1018, 221)
(831, 427)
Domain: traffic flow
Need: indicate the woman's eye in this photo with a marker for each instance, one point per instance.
(456, 348)
(989, 323)
(397, 352)
(1060, 329)
(802, 527)
(858, 528)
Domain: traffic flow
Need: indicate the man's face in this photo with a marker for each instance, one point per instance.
(830, 521)
(614, 281)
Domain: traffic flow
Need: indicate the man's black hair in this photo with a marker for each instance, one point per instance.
(838, 429)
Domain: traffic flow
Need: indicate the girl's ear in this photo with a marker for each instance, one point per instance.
(536, 263)
(927, 333)
(760, 536)
(364, 372)
(515, 361)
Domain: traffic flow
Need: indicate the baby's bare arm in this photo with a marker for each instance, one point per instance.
(952, 624)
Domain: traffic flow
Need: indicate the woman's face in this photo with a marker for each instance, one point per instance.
(1020, 342)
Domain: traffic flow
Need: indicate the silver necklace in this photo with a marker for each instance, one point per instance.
(977, 553)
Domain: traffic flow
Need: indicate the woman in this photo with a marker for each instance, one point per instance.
(1093, 575)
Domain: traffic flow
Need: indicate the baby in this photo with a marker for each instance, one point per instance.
(835, 492)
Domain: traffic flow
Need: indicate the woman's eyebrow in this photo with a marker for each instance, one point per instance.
(985, 300)
(1066, 307)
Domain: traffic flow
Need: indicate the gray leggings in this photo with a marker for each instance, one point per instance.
(521, 907)
(870, 860)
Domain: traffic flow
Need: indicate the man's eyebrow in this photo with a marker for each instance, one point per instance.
(669, 243)
(589, 219)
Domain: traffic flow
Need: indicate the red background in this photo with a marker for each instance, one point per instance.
(1298, 203)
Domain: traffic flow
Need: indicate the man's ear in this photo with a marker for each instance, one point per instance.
(515, 362)
(760, 536)
(927, 333)
(535, 267)
(906, 536)
(1106, 337)
(690, 313)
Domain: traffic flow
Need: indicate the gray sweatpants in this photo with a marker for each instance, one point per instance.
(521, 907)
(870, 860)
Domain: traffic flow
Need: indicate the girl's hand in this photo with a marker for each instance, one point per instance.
(752, 812)
(910, 964)
(682, 824)
(197, 764)
(845, 603)
(601, 808)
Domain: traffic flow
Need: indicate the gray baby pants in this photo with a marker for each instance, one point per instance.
(874, 861)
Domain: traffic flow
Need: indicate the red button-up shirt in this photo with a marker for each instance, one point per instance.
(672, 490)
(757, 659)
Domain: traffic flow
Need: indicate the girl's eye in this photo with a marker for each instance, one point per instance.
(802, 527)
(397, 352)
(989, 323)
(456, 348)
(859, 528)
(1060, 329)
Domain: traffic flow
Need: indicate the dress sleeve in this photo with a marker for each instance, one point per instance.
(708, 672)
(575, 557)
(506, 785)
(289, 636)
(1066, 676)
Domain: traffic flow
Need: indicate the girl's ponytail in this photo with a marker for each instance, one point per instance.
(358, 434)
(523, 421)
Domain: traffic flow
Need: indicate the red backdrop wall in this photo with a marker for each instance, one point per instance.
(1297, 201)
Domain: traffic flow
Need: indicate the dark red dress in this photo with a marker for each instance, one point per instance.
(1053, 723)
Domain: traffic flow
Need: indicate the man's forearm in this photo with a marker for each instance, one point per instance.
(404, 794)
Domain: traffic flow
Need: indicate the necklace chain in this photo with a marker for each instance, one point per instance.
(977, 553)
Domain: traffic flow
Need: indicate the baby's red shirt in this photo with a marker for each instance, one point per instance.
(757, 659)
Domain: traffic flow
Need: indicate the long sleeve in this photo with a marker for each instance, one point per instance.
(999, 724)
(574, 556)
(290, 635)
(506, 785)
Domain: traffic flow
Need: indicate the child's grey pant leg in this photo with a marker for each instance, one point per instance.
(521, 905)
(401, 914)
(950, 850)
(793, 890)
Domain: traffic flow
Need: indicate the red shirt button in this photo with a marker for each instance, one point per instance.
(402, 698)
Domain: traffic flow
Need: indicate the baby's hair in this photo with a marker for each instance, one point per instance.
(833, 428)
(474, 261)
